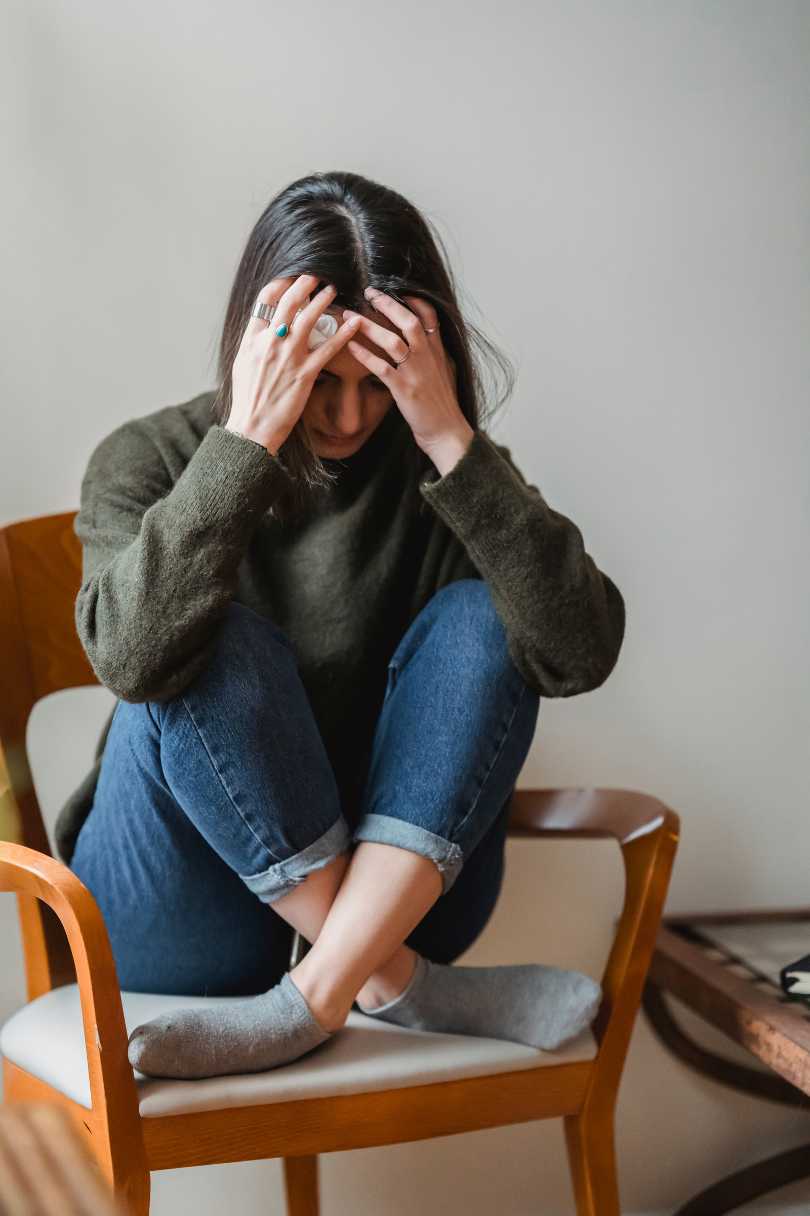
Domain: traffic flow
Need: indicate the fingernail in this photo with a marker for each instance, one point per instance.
(371, 292)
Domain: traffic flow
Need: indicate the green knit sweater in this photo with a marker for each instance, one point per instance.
(177, 519)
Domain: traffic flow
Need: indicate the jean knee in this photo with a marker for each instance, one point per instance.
(465, 612)
(249, 657)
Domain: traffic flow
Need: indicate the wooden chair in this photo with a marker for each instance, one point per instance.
(418, 1086)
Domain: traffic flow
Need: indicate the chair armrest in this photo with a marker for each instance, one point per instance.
(647, 831)
(30, 873)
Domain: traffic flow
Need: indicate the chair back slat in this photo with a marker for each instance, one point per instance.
(585, 812)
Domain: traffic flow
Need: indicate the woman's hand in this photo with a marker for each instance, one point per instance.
(272, 377)
(424, 387)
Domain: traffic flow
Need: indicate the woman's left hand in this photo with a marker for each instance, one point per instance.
(424, 387)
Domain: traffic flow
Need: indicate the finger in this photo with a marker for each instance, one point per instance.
(302, 323)
(328, 349)
(391, 342)
(270, 294)
(426, 312)
(402, 317)
(293, 298)
(376, 365)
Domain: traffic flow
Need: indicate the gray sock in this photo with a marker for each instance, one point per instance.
(250, 1035)
(530, 1003)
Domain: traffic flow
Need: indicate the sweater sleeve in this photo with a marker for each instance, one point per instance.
(564, 618)
(160, 559)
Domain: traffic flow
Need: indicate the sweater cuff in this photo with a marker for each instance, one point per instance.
(481, 489)
(230, 476)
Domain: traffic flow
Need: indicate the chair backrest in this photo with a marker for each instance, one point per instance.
(40, 653)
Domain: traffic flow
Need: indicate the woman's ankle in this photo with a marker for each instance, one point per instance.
(328, 1007)
(330, 1000)
(389, 981)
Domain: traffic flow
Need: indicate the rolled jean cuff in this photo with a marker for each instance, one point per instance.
(281, 877)
(385, 829)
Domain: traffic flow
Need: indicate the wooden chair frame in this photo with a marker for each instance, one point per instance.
(65, 941)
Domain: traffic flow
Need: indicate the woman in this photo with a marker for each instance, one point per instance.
(328, 604)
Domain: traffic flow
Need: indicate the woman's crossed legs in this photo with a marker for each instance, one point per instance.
(205, 848)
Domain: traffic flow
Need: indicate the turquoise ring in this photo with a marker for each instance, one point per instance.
(282, 331)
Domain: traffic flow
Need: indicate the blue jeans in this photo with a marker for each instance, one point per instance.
(214, 803)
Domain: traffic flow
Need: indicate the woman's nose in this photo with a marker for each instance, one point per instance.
(348, 416)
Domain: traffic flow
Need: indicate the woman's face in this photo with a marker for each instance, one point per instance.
(347, 402)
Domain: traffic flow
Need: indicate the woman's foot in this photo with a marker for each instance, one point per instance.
(250, 1035)
(530, 1003)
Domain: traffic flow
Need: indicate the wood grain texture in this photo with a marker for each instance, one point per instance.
(366, 1120)
(773, 1031)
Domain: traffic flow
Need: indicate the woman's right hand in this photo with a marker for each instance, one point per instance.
(272, 377)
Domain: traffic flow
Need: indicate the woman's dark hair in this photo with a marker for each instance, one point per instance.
(353, 232)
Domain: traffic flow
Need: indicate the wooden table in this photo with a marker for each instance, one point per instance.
(45, 1168)
(725, 967)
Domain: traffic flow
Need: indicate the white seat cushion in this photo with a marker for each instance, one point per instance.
(46, 1039)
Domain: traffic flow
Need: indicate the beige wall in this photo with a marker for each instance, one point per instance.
(624, 189)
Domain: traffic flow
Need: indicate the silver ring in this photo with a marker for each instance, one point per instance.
(432, 331)
(264, 311)
(401, 361)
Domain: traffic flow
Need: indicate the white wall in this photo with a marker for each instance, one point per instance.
(624, 188)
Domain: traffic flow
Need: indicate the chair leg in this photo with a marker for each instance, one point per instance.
(136, 1196)
(301, 1185)
(132, 1186)
(592, 1161)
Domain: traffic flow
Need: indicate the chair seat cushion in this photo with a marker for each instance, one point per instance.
(46, 1039)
